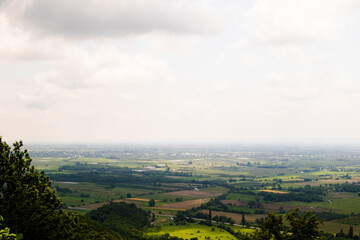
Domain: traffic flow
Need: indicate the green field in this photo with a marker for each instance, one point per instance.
(196, 230)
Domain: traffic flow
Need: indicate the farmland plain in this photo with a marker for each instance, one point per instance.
(228, 181)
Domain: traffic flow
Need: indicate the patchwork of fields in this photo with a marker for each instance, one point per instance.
(229, 184)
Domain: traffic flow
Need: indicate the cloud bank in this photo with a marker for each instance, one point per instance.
(180, 71)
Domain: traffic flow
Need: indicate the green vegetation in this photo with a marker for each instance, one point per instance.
(302, 226)
(27, 202)
(32, 209)
(5, 232)
(126, 219)
(193, 231)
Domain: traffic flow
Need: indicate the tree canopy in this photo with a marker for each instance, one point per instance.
(304, 226)
(126, 219)
(27, 202)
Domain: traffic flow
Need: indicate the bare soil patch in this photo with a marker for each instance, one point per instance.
(235, 203)
(184, 205)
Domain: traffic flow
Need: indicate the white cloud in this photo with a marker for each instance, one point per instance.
(294, 22)
(106, 69)
(17, 44)
(113, 18)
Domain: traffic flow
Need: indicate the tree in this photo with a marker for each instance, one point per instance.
(304, 226)
(243, 220)
(27, 202)
(152, 203)
(351, 232)
(210, 217)
(5, 232)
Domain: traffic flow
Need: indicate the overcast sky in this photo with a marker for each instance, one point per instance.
(180, 71)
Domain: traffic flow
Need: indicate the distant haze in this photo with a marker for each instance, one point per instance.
(179, 71)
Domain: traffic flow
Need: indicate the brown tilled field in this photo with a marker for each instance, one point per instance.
(235, 203)
(183, 205)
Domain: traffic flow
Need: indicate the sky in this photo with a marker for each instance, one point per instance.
(180, 71)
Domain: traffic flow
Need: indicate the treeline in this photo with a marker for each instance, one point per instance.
(310, 190)
(216, 205)
(328, 216)
(345, 187)
(123, 176)
(105, 169)
(302, 197)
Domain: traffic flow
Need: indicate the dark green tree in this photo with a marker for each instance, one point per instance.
(243, 220)
(152, 203)
(27, 202)
(304, 226)
(351, 232)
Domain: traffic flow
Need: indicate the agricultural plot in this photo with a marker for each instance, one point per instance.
(201, 193)
(193, 231)
(182, 206)
(237, 217)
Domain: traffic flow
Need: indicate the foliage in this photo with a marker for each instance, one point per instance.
(126, 219)
(345, 187)
(32, 208)
(151, 203)
(304, 226)
(27, 202)
(162, 237)
(328, 216)
(5, 232)
(302, 197)
(88, 229)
